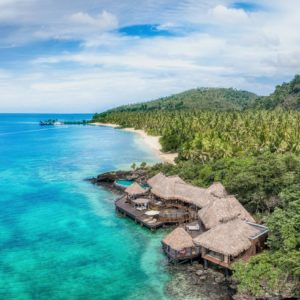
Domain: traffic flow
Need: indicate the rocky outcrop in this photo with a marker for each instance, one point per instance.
(111, 177)
(107, 179)
(194, 282)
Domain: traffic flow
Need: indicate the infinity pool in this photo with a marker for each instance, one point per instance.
(124, 183)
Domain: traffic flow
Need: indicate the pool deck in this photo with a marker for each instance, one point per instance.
(124, 208)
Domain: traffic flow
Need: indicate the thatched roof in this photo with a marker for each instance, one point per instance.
(178, 239)
(173, 188)
(135, 189)
(231, 238)
(221, 210)
(165, 188)
(156, 179)
(217, 189)
(192, 194)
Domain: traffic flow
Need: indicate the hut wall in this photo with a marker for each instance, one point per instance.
(216, 258)
(260, 244)
(180, 255)
(247, 253)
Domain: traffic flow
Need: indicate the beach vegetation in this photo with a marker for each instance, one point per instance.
(143, 165)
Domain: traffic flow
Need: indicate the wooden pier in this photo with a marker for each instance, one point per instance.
(125, 209)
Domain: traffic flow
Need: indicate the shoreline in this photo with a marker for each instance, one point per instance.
(151, 141)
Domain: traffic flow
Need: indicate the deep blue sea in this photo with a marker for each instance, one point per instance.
(59, 235)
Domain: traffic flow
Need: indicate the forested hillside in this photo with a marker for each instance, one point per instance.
(254, 152)
(202, 98)
(286, 96)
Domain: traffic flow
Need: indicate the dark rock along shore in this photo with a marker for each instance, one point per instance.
(107, 179)
(191, 281)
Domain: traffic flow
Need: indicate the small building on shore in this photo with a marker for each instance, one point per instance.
(231, 241)
(179, 246)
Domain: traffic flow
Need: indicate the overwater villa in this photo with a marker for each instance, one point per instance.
(179, 246)
(231, 241)
(212, 224)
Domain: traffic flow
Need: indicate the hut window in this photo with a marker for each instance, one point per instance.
(216, 255)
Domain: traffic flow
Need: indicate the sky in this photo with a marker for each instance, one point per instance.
(90, 55)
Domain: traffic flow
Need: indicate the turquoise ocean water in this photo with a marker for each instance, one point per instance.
(59, 235)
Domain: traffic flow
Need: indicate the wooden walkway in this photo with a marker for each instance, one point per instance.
(126, 209)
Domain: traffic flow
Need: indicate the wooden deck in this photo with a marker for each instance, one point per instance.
(126, 209)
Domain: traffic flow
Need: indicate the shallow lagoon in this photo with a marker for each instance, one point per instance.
(59, 235)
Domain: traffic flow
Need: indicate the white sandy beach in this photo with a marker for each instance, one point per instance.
(151, 141)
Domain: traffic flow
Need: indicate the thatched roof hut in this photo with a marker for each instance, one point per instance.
(231, 238)
(221, 210)
(217, 189)
(178, 239)
(135, 189)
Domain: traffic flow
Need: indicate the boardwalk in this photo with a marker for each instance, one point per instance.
(138, 216)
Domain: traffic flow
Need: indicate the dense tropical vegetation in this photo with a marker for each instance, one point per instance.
(205, 135)
(253, 148)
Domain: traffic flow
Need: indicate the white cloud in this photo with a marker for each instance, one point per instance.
(226, 15)
(218, 46)
(81, 26)
(104, 21)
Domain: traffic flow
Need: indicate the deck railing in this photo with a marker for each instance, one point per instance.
(174, 218)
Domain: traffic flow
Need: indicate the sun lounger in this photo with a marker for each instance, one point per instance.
(148, 219)
(152, 221)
